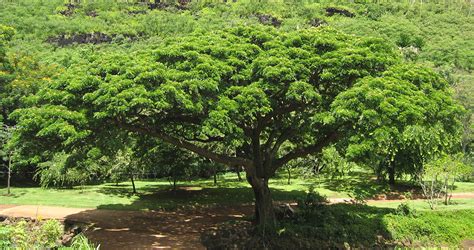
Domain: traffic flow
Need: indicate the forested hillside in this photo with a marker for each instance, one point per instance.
(56, 34)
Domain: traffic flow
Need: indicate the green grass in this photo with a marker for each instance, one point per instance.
(456, 204)
(152, 195)
(158, 194)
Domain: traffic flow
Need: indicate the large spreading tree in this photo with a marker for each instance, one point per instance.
(247, 96)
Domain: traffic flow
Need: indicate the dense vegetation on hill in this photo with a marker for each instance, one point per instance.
(52, 35)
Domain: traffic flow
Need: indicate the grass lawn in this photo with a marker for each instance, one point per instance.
(157, 194)
(456, 204)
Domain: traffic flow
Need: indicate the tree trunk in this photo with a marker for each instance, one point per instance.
(264, 211)
(238, 173)
(133, 184)
(391, 175)
(9, 174)
(289, 175)
(215, 176)
(446, 193)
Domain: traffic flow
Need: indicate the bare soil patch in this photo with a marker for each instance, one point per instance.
(145, 229)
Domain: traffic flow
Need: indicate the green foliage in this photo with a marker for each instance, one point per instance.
(25, 235)
(195, 89)
(365, 227)
(334, 164)
(57, 173)
(5, 234)
(404, 209)
(312, 201)
(398, 118)
(210, 79)
(49, 233)
(438, 176)
(432, 228)
(80, 242)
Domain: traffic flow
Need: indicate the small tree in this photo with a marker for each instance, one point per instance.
(123, 167)
(438, 177)
(6, 151)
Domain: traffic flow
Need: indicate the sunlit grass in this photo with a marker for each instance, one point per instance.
(158, 194)
(455, 204)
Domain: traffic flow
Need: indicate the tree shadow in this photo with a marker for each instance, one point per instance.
(362, 185)
(153, 229)
(167, 217)
(335, 225)
(192, 197)
(16, 194)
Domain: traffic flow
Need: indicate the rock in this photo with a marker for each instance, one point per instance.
(66, 240)
(284, 211)
(233, 235)
(92, 13)
(268, 20)
(69, 10)
(76, 230)
(85, 38)
(316, 22)
(332, 10)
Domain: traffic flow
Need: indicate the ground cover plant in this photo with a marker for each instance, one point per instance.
(45, 234)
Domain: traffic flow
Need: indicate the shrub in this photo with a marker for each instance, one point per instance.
(6, 233)
(404, 209)
(82, 243)
(311, 201)
(49, 233)
(30, 234)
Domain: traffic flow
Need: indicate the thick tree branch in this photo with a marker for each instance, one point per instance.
(224, 159)
(280, 111)
(209, 139)
(283, 137)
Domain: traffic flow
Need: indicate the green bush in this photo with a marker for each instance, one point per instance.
(311, 201)
(404, 209)
(49, 233)
(82, 243)
(6, 233)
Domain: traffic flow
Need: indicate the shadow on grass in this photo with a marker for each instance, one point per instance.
(165, 198)
(364, 185)
(337, 224)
